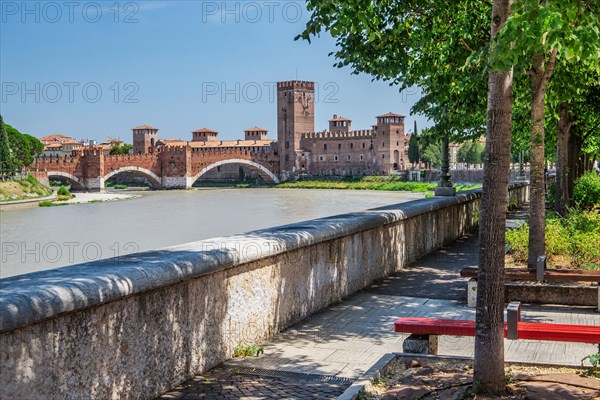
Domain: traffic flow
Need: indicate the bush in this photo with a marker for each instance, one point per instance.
(63, 191)
(586, 192)
(517, 242)
(120, 186)
(577, 238)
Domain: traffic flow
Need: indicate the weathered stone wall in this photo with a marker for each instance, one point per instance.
(133, 327)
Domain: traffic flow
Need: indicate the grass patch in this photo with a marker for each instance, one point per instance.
(386, 183)
(23, 189)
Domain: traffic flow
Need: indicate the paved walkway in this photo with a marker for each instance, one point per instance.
(323, 354)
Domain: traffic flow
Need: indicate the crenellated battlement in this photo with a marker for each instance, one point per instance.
(339, 135)
(306, 85)
(128, 157)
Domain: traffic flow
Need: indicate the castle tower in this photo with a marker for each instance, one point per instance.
(255, 133)
(295, 115)
(340, 124)
(144, 137)
(205, 135)
(390, 153)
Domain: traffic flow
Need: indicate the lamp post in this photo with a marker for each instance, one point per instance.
(445, 187)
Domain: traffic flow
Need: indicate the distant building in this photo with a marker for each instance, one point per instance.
(58, 145)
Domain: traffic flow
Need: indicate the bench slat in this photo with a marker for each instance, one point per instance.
(549, 274)
(527, 330)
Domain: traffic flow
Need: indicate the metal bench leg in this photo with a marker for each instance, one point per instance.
(513, 317)
(472, 293)
(420, 344)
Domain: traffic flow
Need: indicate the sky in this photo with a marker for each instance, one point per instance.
(96, 69)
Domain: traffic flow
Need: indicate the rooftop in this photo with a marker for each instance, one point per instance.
(204, 130)
(144, 127)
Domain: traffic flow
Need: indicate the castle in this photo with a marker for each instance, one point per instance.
(339, 151)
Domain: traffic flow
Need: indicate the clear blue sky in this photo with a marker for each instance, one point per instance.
(175, 58)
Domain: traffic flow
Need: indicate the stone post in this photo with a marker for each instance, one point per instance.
(445, 187)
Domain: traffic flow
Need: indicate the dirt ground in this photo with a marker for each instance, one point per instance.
(453, 379)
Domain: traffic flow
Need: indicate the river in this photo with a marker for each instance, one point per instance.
(40, 238)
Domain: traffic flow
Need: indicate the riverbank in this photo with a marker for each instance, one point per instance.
(22, 189)
(83, 198)
(369, 183)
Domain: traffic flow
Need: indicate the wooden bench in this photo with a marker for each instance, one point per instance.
(425, 331)
(523, 274)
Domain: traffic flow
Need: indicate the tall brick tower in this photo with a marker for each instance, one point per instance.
(144, 137)
(389, 143)
(295, 115)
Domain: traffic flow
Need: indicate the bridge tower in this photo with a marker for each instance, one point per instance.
(144, 137)
(295, 115)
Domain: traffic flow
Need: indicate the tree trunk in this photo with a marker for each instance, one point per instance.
(562, 195)
(489, 334)
(539, 75)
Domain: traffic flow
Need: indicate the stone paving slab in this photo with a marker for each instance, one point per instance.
(223, 383)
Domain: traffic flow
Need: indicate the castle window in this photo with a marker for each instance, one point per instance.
(362, 157)
(335, 158)
(339, 146)
(397, 143)
(287, 145)
(383, 156)
(363, 145)
(383, 144)
(348, 157)
(325, 147)
(321, 158)
(351, 145)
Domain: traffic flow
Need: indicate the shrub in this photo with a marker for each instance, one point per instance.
(247, 350)
(63, 191)
(517, 242)
(586, 192)
(576, 237)
(120, 186)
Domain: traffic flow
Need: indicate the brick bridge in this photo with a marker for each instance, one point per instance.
(169, 167)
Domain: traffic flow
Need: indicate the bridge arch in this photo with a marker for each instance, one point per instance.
(75, 182)
(262, 171)
(154, 179)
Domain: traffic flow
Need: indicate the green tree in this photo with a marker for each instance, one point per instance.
(432, 154)
(471, 152)
(23, 148)
(488, 366)
(121, 149)
(536, 36)
(414, 152)
(6, 164)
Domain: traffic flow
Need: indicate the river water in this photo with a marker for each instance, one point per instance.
(35, 239)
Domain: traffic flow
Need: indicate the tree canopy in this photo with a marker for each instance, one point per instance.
(17, 150)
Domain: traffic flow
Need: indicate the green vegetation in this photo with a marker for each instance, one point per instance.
(247, 350)
(224, 184)
(120, 186)
(574, 240)
(471, 152)
(391, 183)
(23, 189)
(63, 194)
(594, 361)
(586, 192)
(17, 150)
(51, 204)
(125, 148)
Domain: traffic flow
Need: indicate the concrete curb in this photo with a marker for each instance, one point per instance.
(380, 367)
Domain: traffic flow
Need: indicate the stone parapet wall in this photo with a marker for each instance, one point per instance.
(135, 326)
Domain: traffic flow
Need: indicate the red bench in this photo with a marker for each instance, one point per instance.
(425, 331)
(526, 330)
